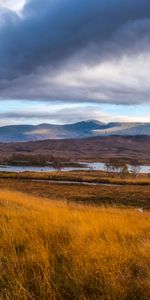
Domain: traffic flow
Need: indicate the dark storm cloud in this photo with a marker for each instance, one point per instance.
(50, 32)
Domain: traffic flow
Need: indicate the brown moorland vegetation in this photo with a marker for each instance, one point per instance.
(90, 149)
(51, 250)
(135, 194)
(99, 177)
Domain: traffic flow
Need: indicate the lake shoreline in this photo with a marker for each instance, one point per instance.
(65, 167)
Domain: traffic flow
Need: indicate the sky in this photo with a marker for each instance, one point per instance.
(63, 61)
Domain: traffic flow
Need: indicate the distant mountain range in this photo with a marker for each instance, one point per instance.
(91, 128)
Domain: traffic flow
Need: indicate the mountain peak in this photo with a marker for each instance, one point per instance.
(86, 128)
(94, 122)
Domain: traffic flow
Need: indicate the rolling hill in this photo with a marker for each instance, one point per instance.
(91, 149)
(91, 128)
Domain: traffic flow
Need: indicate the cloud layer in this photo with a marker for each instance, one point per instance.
(76, 51)
(29, 112)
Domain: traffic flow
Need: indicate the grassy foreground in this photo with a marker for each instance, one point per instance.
(51, 250)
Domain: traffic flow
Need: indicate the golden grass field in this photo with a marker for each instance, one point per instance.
(52, 250)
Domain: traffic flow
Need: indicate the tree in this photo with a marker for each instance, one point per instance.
(56, 164)
(117, 166)
(111, 165)
(124, 170)
(135, 168)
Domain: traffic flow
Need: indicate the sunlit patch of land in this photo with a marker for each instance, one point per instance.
(55, 250)
(100, 188)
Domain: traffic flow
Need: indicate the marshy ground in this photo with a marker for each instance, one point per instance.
(128, 192)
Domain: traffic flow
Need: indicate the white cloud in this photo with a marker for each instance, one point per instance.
(15, 5)
(124, 80)
(35, 112)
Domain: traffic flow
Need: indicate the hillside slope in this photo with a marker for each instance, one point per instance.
(22, 133)
(96, 148)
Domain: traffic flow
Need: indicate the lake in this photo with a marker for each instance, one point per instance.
(92, 165)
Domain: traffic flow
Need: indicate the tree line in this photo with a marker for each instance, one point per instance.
(122, 168)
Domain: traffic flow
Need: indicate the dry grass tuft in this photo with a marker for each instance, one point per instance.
(51, 250)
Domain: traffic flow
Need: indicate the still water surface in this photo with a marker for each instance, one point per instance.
(91, 165)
